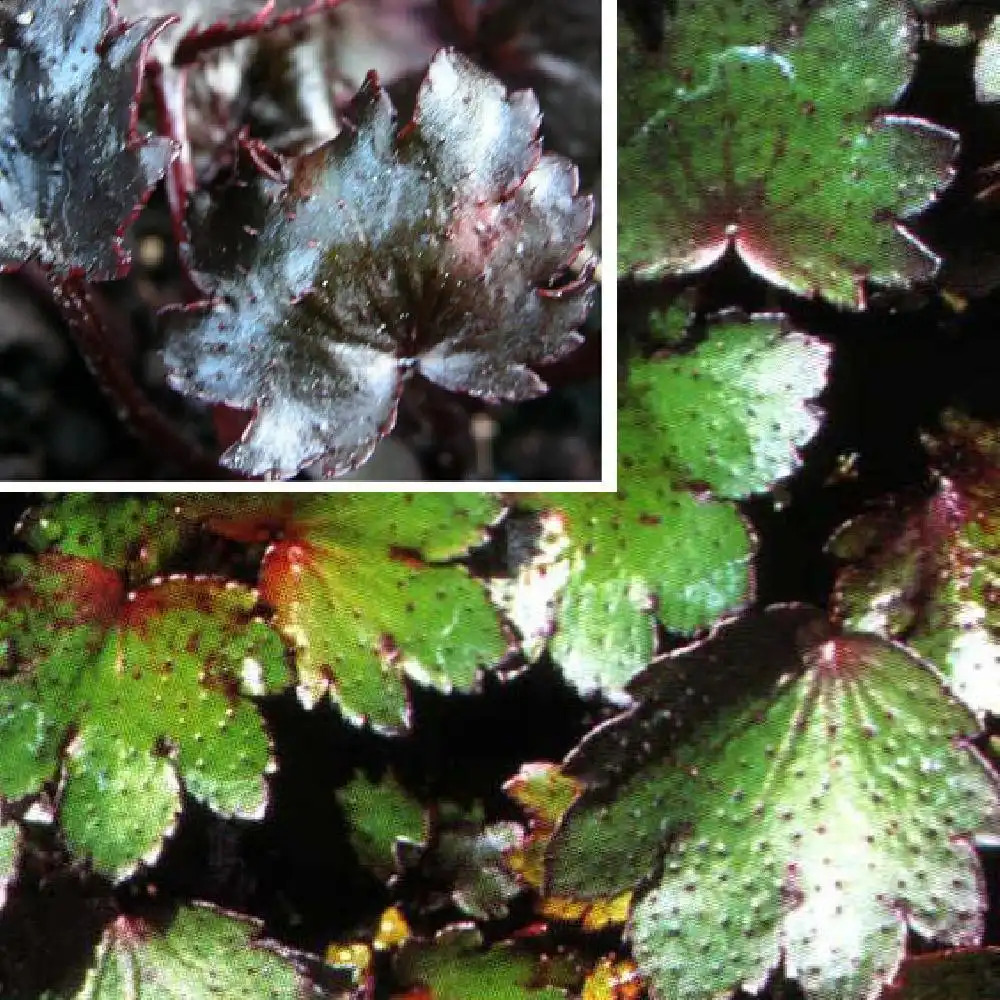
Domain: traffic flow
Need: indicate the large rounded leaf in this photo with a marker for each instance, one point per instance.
(783, 793)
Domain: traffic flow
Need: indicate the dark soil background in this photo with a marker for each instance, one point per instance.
(55, 421)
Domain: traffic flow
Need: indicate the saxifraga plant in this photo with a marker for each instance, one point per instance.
(315, 283)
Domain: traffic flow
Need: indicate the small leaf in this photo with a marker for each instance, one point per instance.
(762, 127)
(928, 571)
(456, 966)
(783, 794)
(378, 815)
(73, 172)
(961, 974)
(545, 793)
(203, 954)
(154, 684)
(987, 71)
(360, 598)
(734, 411)
(10, 856)
(469, 856)
(439, 249)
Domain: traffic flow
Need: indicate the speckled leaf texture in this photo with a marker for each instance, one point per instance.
(366, 593)
(783, 792)
(202, 954)
(73, 170)
(927, 570)
(440, 249)
(721, 420)
(767, 127)
(133, 696)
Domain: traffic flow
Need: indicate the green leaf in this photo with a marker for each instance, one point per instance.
(972, 974)
(733, 412)
(456, 966)
(10, 856)
(203, 954)
(135, 535)
(358, 594)
(758, 126)
(378, 814)
(782, 793)
(469, 855)
(153, 684)
(987, 71)
(928, 570)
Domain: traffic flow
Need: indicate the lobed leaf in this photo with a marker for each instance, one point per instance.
(436, 250)
(72, 166)
(363, 598)
(733, 412)
(781, 793)
(203, 953)
(763, 127)
(927, 571)
(153, 686)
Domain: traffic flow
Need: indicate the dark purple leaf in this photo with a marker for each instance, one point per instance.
(73, 171)
(441, 250)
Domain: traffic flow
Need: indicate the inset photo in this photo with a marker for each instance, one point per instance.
(318, 242)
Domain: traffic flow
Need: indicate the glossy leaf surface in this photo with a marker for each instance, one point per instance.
(73, 171)
(357, 592)
(759, 126)
(927, 571)
(430, 250)
(783, 792)
(152, 685)
(202, 954)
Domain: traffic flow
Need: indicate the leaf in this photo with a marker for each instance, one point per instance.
(987, 70)
(379, 814)
(73, 171)
(961, 974)
(762, 127)
(433, 250)
(456, 966)
(588, 575)
(783, 794)
(469, 856)
(735, 410)
(203, 953)
(360, 597)
(927, 571)
(10, 856)
(545, 793)
(152, 684)
(135, 535)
